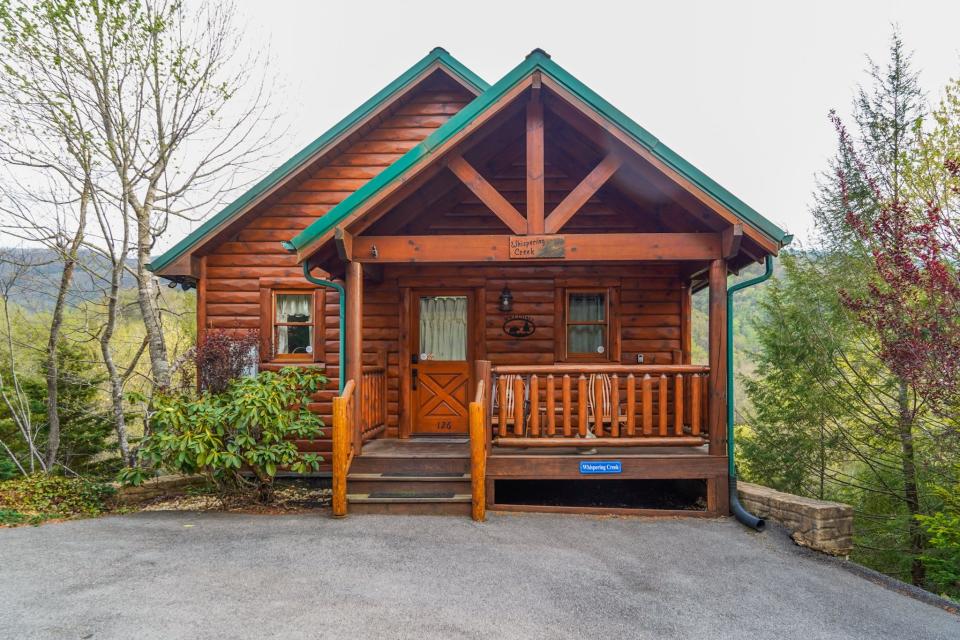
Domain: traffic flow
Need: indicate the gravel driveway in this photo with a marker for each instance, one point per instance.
(187, 575)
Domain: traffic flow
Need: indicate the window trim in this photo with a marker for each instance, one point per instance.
(268, 324)
(611, 351)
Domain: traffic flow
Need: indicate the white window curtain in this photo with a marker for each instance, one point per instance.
(443, 328)
(294, 308)
(586, 307)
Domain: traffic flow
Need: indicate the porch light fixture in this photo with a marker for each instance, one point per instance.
(506, 300)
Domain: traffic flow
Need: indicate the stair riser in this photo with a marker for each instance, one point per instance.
(421, 486)
(411, 508)
(422, 466)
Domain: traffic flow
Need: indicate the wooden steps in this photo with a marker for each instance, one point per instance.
(411, 481)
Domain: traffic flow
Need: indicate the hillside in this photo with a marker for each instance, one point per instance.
(37, 288)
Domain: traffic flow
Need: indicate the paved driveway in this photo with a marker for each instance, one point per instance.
(170, 575)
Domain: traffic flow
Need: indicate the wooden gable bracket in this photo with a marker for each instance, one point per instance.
(582, 192)
(487, 194)
(344, 241)
(732, 237)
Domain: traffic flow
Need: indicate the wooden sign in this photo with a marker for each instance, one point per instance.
(534, 247)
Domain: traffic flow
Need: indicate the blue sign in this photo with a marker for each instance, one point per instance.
(591, 467)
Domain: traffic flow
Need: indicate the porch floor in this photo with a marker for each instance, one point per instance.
(455, 447)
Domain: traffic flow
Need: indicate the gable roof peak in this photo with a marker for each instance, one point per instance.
(537, 53)
(438, 57)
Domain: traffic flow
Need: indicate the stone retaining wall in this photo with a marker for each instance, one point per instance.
(160, 486)
(817, 524)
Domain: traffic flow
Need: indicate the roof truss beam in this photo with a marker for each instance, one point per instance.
(582, 192)
(536, 190)
(492, 198)
(578, 247)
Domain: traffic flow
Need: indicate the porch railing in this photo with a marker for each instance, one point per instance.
(596, 405)
(373, 402)
(344, 424)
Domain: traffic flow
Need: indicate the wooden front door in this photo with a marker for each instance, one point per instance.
(440, 362)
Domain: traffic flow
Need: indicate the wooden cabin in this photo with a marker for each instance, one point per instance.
(498, 281)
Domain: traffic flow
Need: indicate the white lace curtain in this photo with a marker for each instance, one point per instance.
(293, 308)
(443, 328)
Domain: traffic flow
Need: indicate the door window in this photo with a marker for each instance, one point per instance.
(443, 328)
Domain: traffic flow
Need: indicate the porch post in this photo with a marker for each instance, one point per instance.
(354, 342)
(717, 393)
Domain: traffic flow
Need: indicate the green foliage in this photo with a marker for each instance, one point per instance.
(7, 469)
(942, 558)
(238, 438)
(40, 497)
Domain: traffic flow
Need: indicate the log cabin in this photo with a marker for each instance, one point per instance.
(497, 280)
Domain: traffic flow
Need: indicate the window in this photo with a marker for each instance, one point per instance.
(587, 326)
(292, 324)
(587, 323)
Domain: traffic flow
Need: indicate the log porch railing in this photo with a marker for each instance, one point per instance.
(596, 405)
(351, 429)
(373, 402)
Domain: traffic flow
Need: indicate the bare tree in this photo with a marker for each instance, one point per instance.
(131, 114)
(171, 109)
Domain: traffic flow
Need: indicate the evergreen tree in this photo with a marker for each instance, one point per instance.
(831, 418)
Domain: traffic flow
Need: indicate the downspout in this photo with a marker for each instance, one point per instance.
(329, 284)
(739, 511)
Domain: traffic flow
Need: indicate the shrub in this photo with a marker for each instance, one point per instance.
(41, 497)
(224, 355)
(238, 438)
(942, 558)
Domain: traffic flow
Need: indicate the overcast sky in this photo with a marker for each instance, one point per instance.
(740, 89)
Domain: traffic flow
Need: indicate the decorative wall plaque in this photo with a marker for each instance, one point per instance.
(534, 247)
(519, 326)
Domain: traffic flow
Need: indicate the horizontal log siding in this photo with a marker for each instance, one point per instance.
(234, 268)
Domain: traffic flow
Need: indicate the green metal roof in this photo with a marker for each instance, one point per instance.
(538, 60)
(438, 55)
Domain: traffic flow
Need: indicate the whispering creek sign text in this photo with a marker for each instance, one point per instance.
(533, 247)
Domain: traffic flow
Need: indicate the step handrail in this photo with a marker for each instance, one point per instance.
(478, 454)
(343, 429)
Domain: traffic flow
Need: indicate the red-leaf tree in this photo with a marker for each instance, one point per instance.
(913, 305)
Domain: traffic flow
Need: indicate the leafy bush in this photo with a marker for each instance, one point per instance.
(224, 355)
(238, 438)
(942, 558)
(41, 497)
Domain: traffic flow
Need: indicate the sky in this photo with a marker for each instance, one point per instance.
(740, 89)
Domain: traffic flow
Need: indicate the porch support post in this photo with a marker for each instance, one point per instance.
(354, 342)
(717, 393)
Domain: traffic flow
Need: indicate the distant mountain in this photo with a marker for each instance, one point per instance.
(37, 286)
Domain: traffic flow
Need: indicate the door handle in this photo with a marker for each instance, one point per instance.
(413, 382)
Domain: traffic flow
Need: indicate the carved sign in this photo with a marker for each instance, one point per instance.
(533, 247)
(519, 326)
